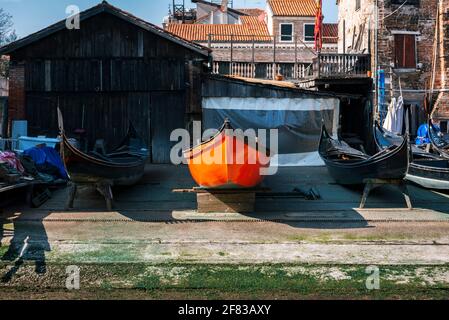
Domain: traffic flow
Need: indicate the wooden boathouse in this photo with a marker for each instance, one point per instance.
(114, 69)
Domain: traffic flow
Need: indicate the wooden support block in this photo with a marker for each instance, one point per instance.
(105, 189)
(406, 194)
(366, 192)
(222, 191)
(72, 190)
(226, 202)
(371, 184)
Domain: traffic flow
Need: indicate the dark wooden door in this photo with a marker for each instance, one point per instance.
(167, 114)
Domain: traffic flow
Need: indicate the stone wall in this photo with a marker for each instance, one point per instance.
(353, 24)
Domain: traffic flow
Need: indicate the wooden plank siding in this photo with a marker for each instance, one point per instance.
(106, 74)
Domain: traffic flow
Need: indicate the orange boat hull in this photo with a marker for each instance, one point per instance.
(226, 162)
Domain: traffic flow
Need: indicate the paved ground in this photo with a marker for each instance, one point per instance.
(153, 226)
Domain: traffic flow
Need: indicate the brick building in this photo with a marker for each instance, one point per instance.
(4, 83)
(400, 36)
(258, 43)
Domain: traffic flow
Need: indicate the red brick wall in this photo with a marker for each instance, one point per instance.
(16, 103)
(412, 18)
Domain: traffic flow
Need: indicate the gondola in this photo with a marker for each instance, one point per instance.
(426, 169)
(349, 166)
(227, 161)
(124, 166)
(439, 144)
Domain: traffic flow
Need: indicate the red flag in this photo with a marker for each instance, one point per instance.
(319, 26)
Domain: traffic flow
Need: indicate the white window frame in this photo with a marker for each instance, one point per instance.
(280, 32)
(304, 32)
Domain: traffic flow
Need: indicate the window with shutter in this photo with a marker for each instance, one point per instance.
(405, 51)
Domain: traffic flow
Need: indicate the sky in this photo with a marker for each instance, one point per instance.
(33, 15)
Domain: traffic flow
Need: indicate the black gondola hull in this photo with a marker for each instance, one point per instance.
(427, 170)
(430, 174)
(441, 149)
(387, 168)
(88, 172)
(82, 168)
(389, 164)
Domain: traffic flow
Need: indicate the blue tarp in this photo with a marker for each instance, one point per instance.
(47, 155)
(423, 134)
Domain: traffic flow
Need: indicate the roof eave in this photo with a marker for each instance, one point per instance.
(58, 26)
(103, 7)
(292, 15)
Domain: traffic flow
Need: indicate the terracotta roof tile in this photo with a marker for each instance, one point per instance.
(252, 11)
(222, 32)
(293, 7)
(252, 20)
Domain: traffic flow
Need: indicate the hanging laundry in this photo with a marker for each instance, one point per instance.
(394, 121)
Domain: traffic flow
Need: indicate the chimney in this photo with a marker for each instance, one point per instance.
(224, 10)
(224, 6)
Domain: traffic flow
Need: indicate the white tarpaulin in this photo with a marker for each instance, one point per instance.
(298, 121)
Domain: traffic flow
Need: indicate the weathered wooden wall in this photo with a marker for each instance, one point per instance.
(106, 74)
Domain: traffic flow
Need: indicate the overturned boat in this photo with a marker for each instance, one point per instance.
(122, 167)
(428, 170)
(349, 166)
(227, 161)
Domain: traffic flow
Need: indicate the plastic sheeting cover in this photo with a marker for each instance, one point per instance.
(298, 121)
